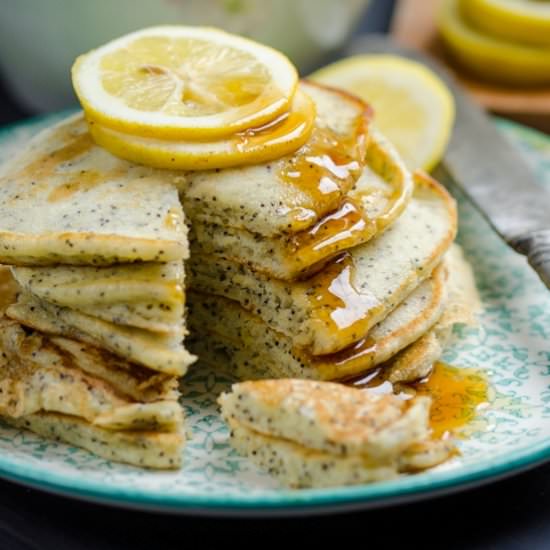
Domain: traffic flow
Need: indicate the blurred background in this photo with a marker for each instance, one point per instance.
(39, 40)
(505, 64)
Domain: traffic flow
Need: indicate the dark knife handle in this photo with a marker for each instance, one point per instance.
(536, 246)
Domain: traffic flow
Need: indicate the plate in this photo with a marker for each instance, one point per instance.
(512, 345)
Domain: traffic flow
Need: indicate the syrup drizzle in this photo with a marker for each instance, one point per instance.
(357, 218)
(337, 303)
(325, 168)
(457, 395)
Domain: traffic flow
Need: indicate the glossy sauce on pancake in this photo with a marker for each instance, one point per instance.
(324, 168)
(368, 209)
(335, 299)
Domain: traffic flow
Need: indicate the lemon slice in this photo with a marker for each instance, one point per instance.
(492, 58)
(183, 82)
(251, 146)
(412, 106)
(523, 21)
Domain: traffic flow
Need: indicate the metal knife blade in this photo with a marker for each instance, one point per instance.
(488, 168)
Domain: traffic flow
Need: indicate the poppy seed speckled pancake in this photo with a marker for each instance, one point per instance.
(319, 434)
(297, 466)
(36, 375)
(341, 303)
(127, 379)
(238, 342)
(294, 192)
(162, 352)
(329, 417)
(377, 198)
(140, 448)
(147, 295)
(66, 200)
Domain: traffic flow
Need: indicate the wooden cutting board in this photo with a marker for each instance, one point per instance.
(414, 25)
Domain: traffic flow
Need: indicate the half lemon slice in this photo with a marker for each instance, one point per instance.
(251, 146)
(181, 82)
(412, 106)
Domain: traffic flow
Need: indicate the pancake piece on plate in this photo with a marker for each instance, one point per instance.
(321, 434)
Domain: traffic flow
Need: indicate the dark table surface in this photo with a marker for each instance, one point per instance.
(514, 513)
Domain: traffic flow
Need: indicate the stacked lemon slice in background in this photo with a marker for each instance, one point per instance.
(502, 41)
(192, 98)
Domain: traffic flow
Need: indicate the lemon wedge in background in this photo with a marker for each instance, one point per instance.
(251, 146)
(183, 82)
(412, 107)
(523, 21)
(492, 58)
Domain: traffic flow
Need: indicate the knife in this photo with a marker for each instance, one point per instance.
(487, 167)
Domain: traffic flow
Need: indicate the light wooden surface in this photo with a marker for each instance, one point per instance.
(414, 26)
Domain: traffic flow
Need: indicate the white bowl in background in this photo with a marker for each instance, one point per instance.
(39, 39)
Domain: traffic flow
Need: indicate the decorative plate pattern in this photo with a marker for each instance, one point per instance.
(512, 345)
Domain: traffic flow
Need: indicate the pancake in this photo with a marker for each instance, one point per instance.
(127, 379)
(162, 352)
(319, 434)
(148, 295)
(38, 376)
(238, 342)
(139, 448)
(463, 305)
(9, 289)
(328, 417)
(294, 192)
(338, 306)
(297, 466)
(378, 197)
(66, 200)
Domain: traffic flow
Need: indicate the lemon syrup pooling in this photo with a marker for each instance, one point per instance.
(457, 395)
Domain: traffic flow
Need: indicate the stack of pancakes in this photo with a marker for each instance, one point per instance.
(325, 263)
(93, 319)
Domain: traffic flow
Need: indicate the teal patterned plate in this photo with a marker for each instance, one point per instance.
(512, 346)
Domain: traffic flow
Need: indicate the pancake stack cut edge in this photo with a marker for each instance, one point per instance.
(92, 337)
(289, 282)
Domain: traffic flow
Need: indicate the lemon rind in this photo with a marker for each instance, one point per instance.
(201, 155)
